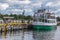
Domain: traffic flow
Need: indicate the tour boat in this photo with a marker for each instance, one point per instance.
(44, 20)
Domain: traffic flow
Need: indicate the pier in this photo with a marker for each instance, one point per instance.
(58, 23)
(13, 25)
(9, 24)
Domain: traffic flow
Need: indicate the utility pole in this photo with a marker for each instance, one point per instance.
(23, 12)
(23, 16)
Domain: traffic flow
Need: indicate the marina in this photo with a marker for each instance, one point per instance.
(29, 19)
(43, 26)
(9, 24)
(13, 25)
(31, 35)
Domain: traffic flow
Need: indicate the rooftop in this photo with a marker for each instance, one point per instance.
(8, 17)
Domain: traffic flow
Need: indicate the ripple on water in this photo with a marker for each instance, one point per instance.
(31, 35)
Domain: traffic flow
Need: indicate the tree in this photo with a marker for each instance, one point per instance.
(58, 18)
(28, 17)
(11, 15)
(1, 16)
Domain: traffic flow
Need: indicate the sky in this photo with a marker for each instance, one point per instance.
(30, 6)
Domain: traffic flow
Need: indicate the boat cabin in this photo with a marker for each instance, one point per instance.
(44, 17)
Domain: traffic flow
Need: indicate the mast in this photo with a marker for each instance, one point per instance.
(43, 11)
(44, 14)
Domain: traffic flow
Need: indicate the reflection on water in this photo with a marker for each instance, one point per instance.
(43, 35)
(30, 35)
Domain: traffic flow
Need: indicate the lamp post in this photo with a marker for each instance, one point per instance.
(23, 16)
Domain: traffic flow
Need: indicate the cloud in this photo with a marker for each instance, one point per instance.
(56, 3)
(57, 11)
(36, 4)
(49, 3)
(19, 2)
(30, 6)
(3, 6)
(28, 10)
(15, 11)
(53, 4)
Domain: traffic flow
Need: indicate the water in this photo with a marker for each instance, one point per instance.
(31, 35)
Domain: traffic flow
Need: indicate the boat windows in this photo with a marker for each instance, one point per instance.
(51, 21)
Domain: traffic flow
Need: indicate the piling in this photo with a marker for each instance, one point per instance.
(5, 27)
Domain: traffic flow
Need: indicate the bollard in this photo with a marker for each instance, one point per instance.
(5, 27)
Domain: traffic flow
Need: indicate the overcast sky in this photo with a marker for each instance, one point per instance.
(30, 6)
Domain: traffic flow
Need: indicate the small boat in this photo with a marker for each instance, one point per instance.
(44, 20)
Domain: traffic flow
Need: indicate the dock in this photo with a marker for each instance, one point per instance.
(9, 23)
(12, 26)
(58, 23)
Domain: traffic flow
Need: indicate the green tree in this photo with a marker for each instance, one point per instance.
(1, 16)
(58, 18)
(28, 17)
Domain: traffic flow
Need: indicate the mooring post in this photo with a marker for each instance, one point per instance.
(5, 27)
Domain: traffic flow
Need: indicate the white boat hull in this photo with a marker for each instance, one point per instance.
(41, 23)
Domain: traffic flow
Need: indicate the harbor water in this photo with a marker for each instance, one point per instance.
(31, 35)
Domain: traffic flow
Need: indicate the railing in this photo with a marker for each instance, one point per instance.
(12, 24)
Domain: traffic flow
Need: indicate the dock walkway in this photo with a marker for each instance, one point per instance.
(13, 25)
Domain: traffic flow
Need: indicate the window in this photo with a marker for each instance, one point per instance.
(51, 21)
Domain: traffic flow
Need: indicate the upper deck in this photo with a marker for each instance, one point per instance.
(43, 16)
